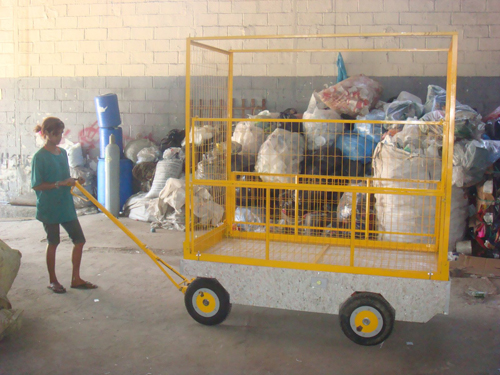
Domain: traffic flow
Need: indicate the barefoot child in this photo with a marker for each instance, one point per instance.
(51, 180)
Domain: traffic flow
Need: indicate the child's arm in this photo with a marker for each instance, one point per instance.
(54, 185)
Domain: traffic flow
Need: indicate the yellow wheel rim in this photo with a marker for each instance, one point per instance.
(367, 320)
(206, 302)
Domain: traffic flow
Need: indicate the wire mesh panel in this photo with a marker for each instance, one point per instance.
(318, 190)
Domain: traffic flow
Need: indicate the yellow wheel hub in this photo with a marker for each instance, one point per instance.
(206, 302)
(366, 321)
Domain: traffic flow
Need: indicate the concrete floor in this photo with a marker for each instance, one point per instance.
(140, 326)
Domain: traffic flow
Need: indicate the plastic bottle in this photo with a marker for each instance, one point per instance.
(112, 177)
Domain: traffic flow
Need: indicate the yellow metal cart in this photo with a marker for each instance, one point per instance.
(290, 249)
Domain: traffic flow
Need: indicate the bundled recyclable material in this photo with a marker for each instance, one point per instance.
(281, 153)
(320, 134)
(169, 167)
(354, 96)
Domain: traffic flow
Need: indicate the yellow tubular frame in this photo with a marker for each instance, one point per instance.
(195, 247)
(182, 286)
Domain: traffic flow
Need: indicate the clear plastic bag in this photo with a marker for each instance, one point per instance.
(468, 122)
(373, 131)
(401, 111)
(281, 153)
(433, 129)
(409, 139)
(250, 137)
(436, 99)
(202, 133)
(250, 215)
(320, 134)
(133, 147)
(404, 95)
(471, 159)
(148, 154)
(268, 127)
(344, 209)
(354, 96)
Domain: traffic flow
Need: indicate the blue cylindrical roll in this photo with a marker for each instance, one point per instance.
(104, 134)
(126, 178)
(108, 113)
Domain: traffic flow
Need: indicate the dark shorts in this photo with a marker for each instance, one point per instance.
(73, 228)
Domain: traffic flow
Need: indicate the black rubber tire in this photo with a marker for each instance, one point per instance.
(213, 286)
(371, 300)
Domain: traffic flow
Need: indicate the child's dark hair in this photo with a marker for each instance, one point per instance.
(49, 125)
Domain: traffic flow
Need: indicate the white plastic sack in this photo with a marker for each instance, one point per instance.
(205, 209)
(170, 211)
(202, 133)
(320, 134)
(249, 136)
(404, 213)
(169, 167)
(75, 153)
(133, 147)
(139, 207)
(173, 195)
(281, 153)
(10, 261)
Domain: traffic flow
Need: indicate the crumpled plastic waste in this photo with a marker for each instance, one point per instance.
(401, 111)
(471, 159)
(320, 134)
(281, 153)
(468, 123)
(149, 154)
(250, 215)
(354, 96)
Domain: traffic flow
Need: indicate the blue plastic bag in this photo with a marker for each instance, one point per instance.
(356, 147)
(372, 131)
(341, 72)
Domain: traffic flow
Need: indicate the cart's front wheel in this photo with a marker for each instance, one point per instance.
(207, 301)
(367, 318)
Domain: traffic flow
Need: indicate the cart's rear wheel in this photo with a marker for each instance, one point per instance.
(367, 318)
(207, 301)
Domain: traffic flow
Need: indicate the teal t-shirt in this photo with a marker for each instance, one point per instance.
(54, 205)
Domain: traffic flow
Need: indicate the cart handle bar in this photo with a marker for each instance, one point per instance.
(182, 286)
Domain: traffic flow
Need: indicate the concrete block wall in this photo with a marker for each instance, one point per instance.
(57, 55)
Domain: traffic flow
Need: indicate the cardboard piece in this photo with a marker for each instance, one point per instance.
(483, 267)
